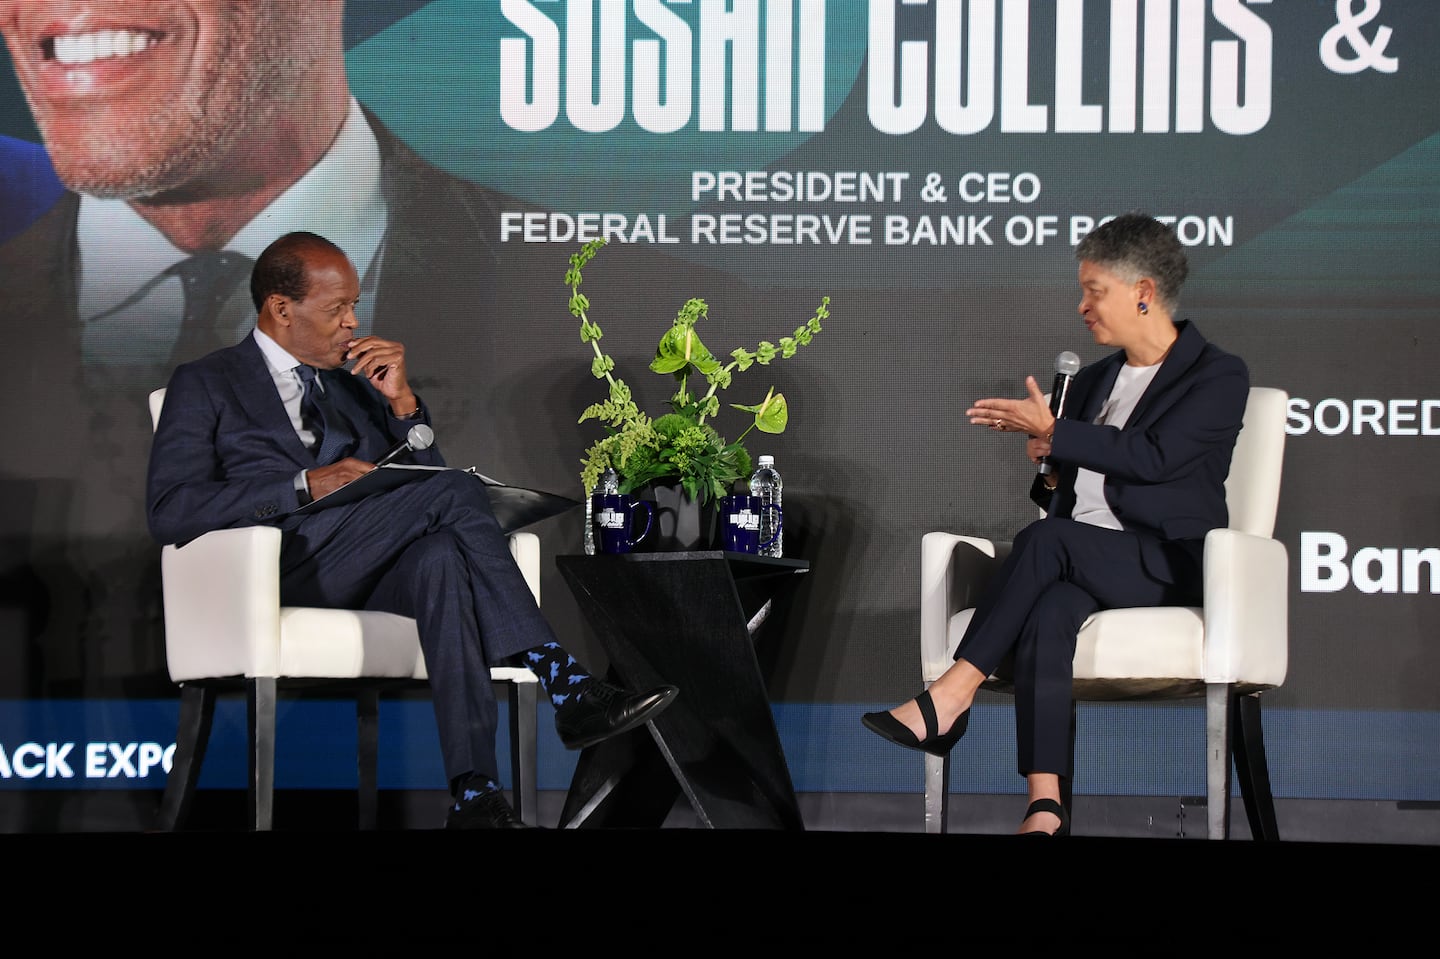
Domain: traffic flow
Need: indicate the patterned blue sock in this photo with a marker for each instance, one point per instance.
(559, 672)
(471, 789)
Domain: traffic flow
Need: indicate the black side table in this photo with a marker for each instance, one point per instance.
(688, 619)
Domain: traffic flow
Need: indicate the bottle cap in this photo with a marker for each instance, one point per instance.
(766, 460)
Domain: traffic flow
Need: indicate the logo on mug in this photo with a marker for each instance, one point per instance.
(742, 514)
(613, 518)
(745, 519)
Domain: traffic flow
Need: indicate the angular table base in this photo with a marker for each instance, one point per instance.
(687, 619)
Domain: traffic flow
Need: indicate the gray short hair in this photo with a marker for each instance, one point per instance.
(1134, 246)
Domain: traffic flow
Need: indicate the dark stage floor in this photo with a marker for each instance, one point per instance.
(779, 891)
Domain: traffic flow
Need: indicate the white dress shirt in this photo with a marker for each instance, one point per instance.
(287, 383)
(292, 390)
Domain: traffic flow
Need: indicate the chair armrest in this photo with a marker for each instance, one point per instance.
(1246, 608)
(222, 600)
(222, 604)
(953, 571)
(525, 547)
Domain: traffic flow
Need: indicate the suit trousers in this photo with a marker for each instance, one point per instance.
(431, 550)
(1058, 572)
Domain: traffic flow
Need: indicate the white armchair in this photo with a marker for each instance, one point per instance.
(225, 630)
(1229, 651)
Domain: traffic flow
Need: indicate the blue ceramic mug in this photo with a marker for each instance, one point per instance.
(740, 521)
(614, 521)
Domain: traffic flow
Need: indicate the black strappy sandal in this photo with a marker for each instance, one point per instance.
(1050, 806)
(887, 726)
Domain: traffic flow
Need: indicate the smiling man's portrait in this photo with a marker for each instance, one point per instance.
(188, 135)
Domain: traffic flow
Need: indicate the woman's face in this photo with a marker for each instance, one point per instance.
(1111, 307)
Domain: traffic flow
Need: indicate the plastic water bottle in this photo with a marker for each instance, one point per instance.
(765, 483)
(609, 482)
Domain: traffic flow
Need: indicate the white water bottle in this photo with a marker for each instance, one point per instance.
(609, 483)
(765, 483)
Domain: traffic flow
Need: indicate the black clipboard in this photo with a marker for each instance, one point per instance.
(515, 507)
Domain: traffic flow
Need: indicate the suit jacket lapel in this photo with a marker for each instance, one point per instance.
(1104, 383)
(255, 390)
(1183, 354)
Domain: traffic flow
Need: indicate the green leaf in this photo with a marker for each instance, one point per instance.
(679, 447)
(681, 347)
(772, 415)
(775, 417)
(670, 353)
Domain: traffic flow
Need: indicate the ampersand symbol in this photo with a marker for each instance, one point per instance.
(1368, 54)
(932, 191)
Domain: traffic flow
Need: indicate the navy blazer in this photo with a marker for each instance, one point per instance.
(1165, 470)
(225, 453)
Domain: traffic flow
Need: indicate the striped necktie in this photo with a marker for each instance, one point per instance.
(334, 437)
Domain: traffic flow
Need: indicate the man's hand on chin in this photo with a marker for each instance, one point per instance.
(324, 480)
(382, 362)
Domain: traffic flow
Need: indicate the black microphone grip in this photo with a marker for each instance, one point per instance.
(1067, 364)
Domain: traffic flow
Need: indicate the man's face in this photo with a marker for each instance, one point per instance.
(321, 326)
(137, 97)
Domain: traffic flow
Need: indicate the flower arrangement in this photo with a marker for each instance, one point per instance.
(679, 445)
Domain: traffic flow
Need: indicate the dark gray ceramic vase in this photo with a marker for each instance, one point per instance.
(681, 524)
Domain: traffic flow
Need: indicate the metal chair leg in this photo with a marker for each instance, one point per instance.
(1219, 699)
(260, 790)
(523, 700)
(937, 793)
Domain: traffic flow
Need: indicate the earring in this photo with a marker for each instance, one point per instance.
(1143, 308)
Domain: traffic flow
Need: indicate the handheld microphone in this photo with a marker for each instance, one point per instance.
(1067, 364)
(419, 438)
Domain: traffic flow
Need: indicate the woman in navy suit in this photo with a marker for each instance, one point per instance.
(1138, 479)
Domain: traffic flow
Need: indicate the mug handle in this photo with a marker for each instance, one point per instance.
(649, 516)
(779, 524)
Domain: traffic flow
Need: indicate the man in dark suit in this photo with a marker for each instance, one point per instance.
(189, 136)
(251, 433)
(1142, 462)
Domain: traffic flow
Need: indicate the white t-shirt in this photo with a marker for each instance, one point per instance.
(1090, 504)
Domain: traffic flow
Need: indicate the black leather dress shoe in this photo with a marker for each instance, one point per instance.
(483, 809)
(600, 710)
